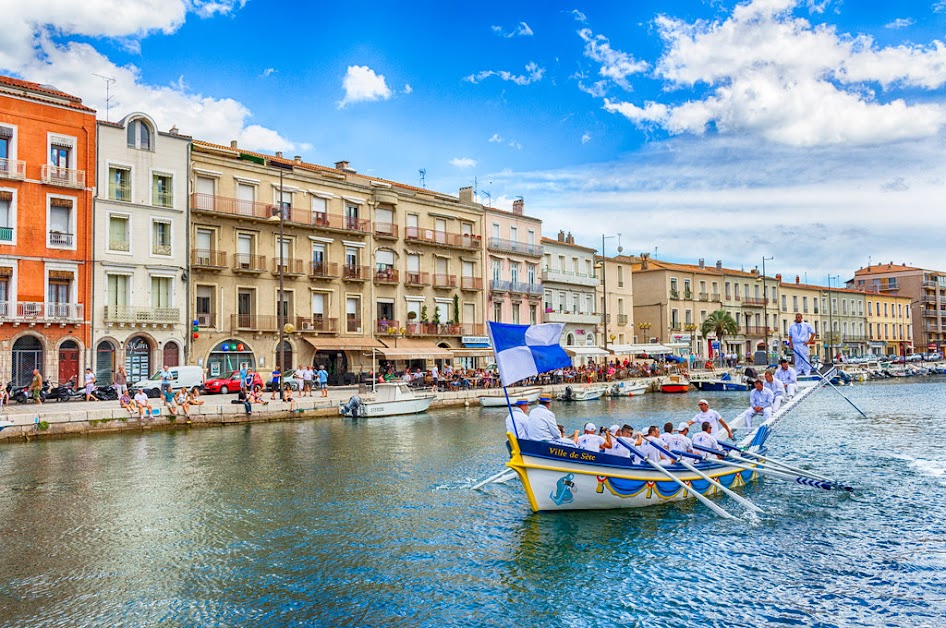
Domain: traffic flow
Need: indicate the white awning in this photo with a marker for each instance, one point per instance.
(649, 349)
(585, 351)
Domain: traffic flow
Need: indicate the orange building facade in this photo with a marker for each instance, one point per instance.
(47, 179)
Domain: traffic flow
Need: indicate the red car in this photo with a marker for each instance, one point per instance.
(224, 385)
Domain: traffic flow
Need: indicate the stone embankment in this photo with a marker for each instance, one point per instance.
(61, 419)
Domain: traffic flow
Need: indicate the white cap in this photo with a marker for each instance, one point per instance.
(702, 401)
(615, 428)
(590, 427)
(683, 426)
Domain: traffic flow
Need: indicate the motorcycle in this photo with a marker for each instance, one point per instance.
(105, 393)
(22, 394)
(67, 391)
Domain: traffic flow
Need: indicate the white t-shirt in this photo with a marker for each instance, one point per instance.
(308, 375)
(713, 417)
(786, 376)
(704, 439)
(590, 442)
(141, 397)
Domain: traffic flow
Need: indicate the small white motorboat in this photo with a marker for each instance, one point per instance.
(390, 400)
(582, 394)
(499, 400)
(629, 389)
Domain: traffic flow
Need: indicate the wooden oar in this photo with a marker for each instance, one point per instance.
(706, 502)
(681, 461)
(738, 454)
(498, 477)
(804, 480)
(828, 382)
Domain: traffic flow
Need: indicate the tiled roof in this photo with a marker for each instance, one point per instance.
(878, 269)
(574, 246)
(654, 264)
(35, 91)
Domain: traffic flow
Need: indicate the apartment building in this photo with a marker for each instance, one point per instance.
(570, 281)
(615, 296)
(141, 250)
(47, 174)
(367, 268)
(671, 301)
(752, 299)
(889, 325)
(513, 250)
(926, 290)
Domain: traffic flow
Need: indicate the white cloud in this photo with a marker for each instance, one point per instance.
(463, 162)
(28, 50)
(515, 144)
(495, 138)
(939, 6)
(901, 22)
(361, 84)
(616, 66)
(407, 88)
(521, 30)
(585, 138)
(777, 76)
(533, 74)
(581, 17)
(269, 71)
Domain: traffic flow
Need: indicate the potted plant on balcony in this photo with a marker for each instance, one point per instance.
(424, 320)
(436, 321)
(455, 327)
(411, 325)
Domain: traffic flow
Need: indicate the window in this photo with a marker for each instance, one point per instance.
(674, 291)
(530, 273)
(784, 303)
(139, 135)
(161, 292)
(6, 146)
(353, 313)
(351, 257)
(533, 314)
(515, 313)
(728, 292)
(162, 192)
(7, 215)
(204, 306)
(620, 276)
(60, 223)
(804, 304)
(318, 306)
(495, 230)
(351, 217)
(319, 207)
(497, 270)
(116, 291)
(58, 290)
(204, 253)
(794, 303)
(119, 184)
(688, 316)
(736, 291)
(118, 239)
(497, 312)
(468, 268)
(160, 237)
(245, 199)
(514, 272)
(530, 238)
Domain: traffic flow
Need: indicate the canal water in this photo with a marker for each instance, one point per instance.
(372, 523)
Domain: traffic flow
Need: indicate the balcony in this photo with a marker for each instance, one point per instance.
(122, 246)
(385, 326)
(531, 289)
(442, 238)
(323, 270)
(252, 322)
(444, 329)
(160, 249)
(247, 263)
(687, 295)
(63, 177)
(511, 246)
(416, 279)
(756, 330)
(754, 302)
(385, 276)
(929, 285)
(675, 326)
(126, 315)
(290, 267)
(6, 234)
(353, 324)
(12, 169)
(208, 259)
(355, 273)
(579, 318)
(674, 294)
(33, 312)
(714, 296)
(704, 296)
(563, 276)
(471, 283)
(385, 231)
(622, 319)
(317, 324)
(263, 211)
(58, 238)
(855, 338)
(445, 281)
(497, 285)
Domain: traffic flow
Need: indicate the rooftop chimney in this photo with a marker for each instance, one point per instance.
(569, 239)
(297, 159)
(518, 206)
(719, 264)
(644, 260)
(174, 130)
(797, 279)
(278, 154)
(702, 263)
(778, 277)
(344, 166)
(466, 194)
(561, 236)
(233, 144)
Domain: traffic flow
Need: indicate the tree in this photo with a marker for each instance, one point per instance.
(456, 309)
(721, 324)
(423, 314)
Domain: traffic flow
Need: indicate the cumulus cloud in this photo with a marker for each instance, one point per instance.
(463, 162)
(533, 74)
(615, 66)
(269, 71)
(585, 138)
(581, 17)
(361, 84)
(29, 50)
(774, 75)
(407, 89)
(521, 30)
(900, 22)
(496, 137)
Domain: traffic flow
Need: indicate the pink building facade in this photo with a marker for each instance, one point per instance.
(513, 255)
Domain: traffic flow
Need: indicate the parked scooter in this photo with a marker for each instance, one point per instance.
(67, 391)
(21, 394)
(104, 393)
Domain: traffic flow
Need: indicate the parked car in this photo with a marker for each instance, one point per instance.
(181, 377)
(225, 385)
(271, 384)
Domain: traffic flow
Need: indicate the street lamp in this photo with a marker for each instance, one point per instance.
(765, 309)
(830, 335)
(604, 283)
(279, 213)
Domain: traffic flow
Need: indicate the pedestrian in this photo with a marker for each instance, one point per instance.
(323, 380)
(243, 371)
(299, 376)
(308, 376)
(36, 387)
(166, 378)
(121, 381)
(89, 385)
(276, 382)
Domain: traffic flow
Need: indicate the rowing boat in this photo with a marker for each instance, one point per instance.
(562, 477)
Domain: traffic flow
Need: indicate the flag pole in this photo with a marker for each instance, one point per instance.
(509, 405)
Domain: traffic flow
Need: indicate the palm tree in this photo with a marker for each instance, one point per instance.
(721, 324)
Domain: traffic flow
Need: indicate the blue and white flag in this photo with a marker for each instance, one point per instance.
(526, 350)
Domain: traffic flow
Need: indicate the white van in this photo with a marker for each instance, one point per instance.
(181, 377)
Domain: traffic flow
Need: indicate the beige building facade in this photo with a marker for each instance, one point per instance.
(513, 253)
(615, 295)
(569, 279)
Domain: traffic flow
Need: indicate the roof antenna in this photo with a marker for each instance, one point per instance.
(108, 98)
(423, 177)
(489, 198)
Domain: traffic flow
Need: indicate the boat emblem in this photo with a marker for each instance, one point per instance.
(563, 490)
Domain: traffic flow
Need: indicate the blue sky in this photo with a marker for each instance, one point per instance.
(811, 131)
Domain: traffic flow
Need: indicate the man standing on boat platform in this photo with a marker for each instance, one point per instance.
(717, 424)
(541, 422)
(518, 421)
(800, 335)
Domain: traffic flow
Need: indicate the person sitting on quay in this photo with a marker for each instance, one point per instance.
(706, 439)
(126, 403)
(715, 420)
(287, 397)
(168, 396)
(517, 422)
(193, 397)
(760, 402)
(590, 441)
(777, 388)
(243, 397)
(788, 376)
(183, 403)
(142, 403)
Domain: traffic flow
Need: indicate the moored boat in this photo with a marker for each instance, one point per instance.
(629, 389)
(390, 400)
(676, 383)
(720, 384)
(589, 393)
(498, 400)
